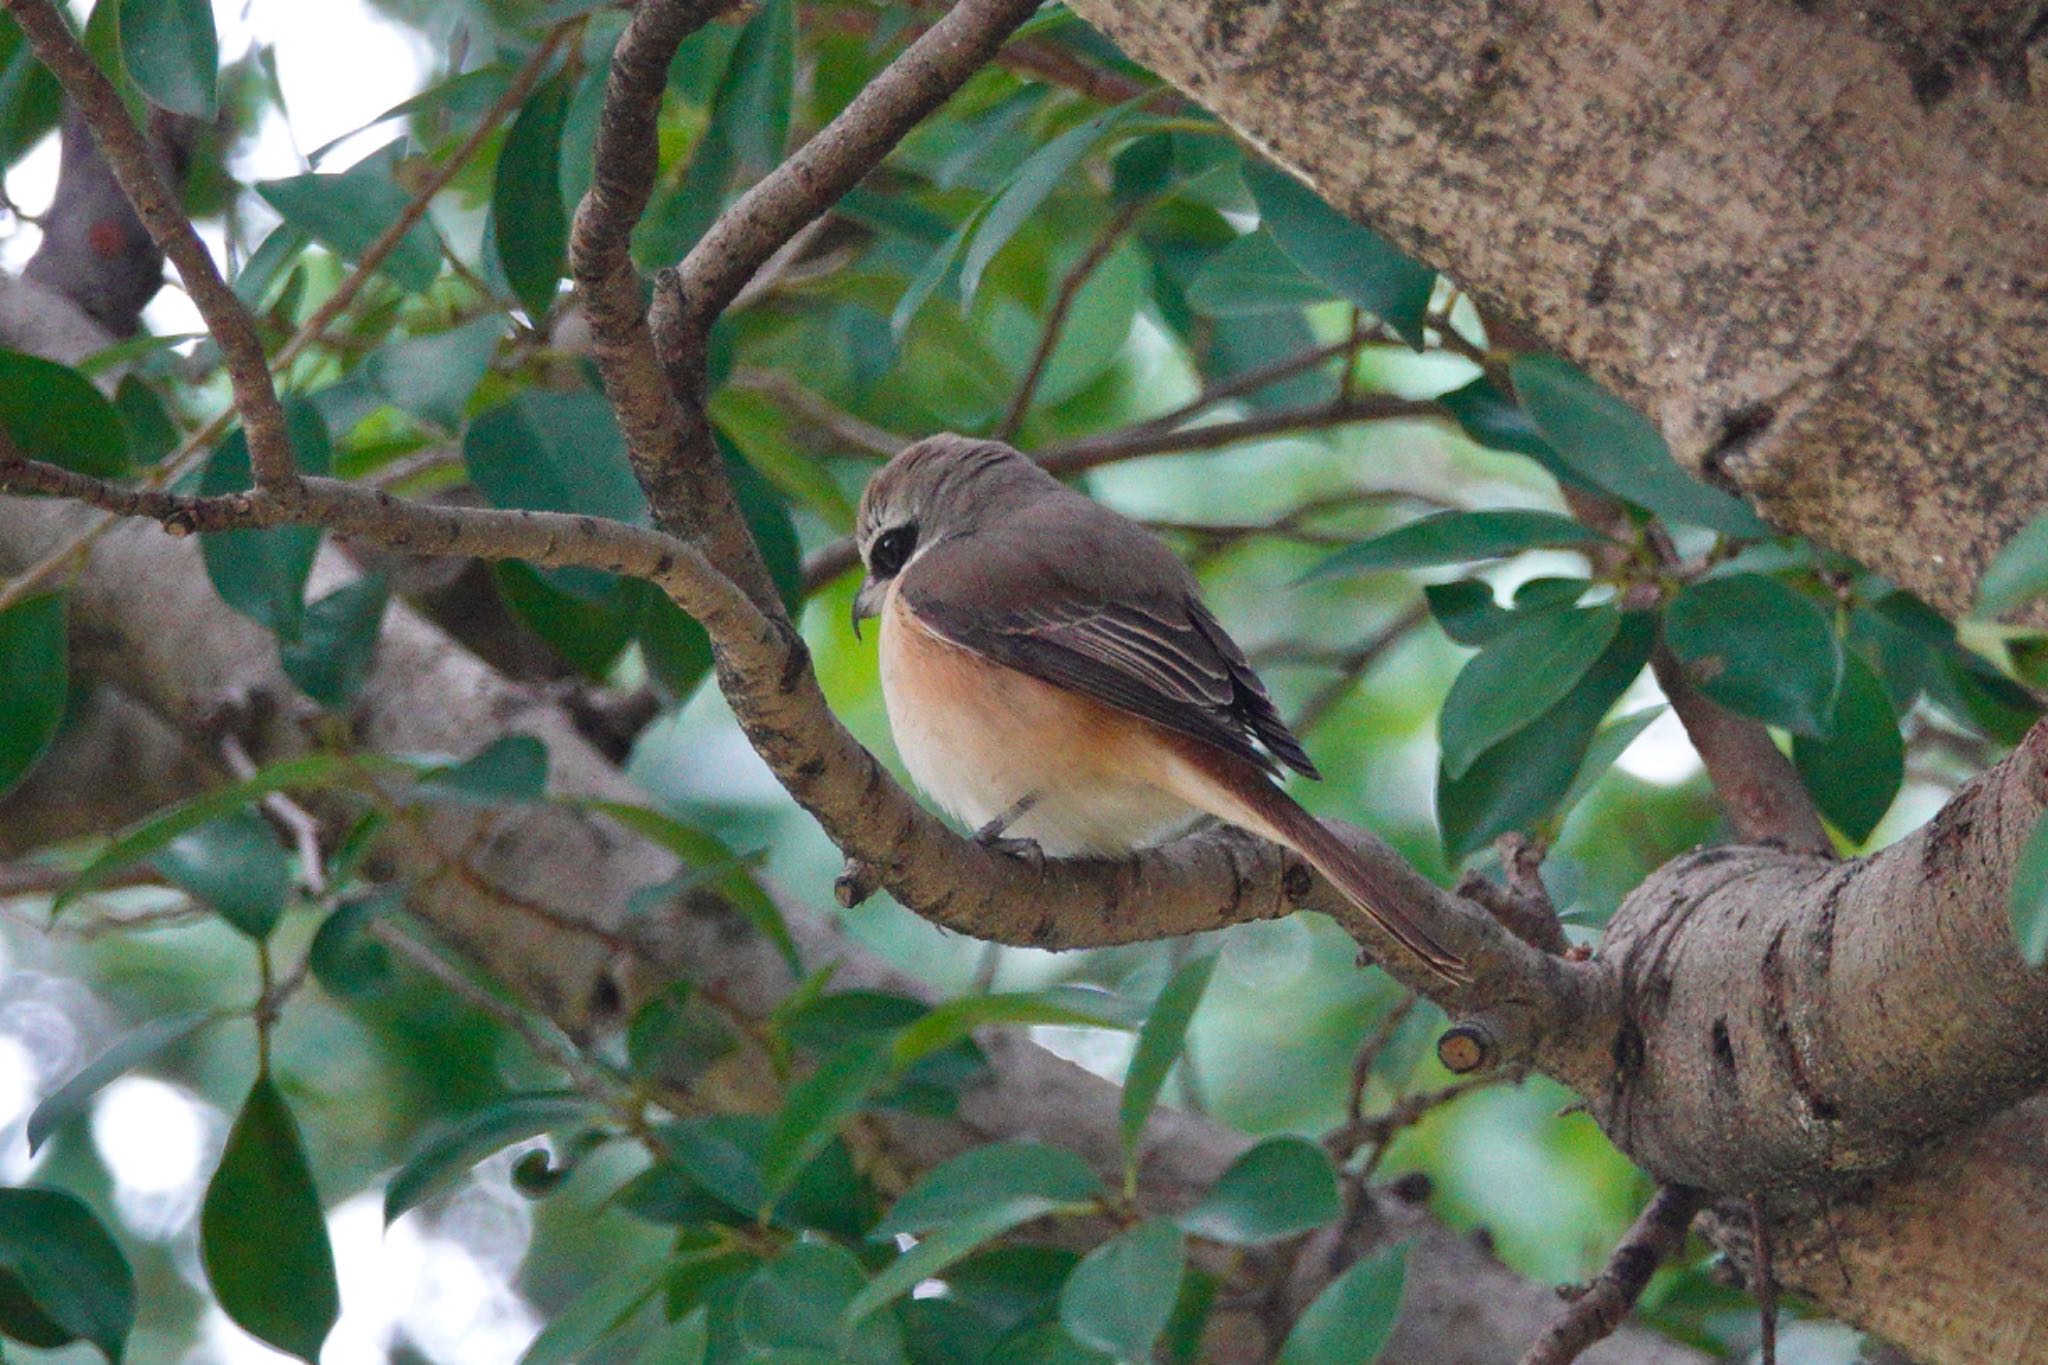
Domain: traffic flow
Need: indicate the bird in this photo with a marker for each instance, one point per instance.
(1054, 681)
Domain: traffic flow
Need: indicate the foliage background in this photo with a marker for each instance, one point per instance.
(412, 389)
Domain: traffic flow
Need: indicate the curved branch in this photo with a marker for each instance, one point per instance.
(129, 157)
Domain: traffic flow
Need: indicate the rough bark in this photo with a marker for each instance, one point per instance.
(1806, 238)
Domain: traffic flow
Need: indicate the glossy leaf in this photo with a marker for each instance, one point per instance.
(1352, 260)
(1283, 1186)
(1490, 415)
(149, 836)
(151, 432)
(1467, 611)
(1457, 538)
(262, 573)
(71, 1099)
(29, 96)
(34, 680)
(61, 1269)
(797, 1303)
(508, 771)
(1759, 648)
(346, 213)
(433, 376)
(1608, 745)
(1252, 275)
(1519, 675)
(1614, 447)
(1350, 1321)
(337, 644)
(1520, 781)
(944, 1246)
(1856, 771)
(236, 865)
(1119, 1298)
(344, 959)
(814, 1107)
(2027, 901)
(1042, 172)
(1160, 1043)
(172, 52)
(706, 853)
(553, 452)
(54, 414)
(449, 1154)
(2017, 574)
(526, 201)
(948, 1023)
(981, 1176)
(611, 1303)
(263, 1233)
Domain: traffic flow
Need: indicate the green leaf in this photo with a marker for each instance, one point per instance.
(278, 249)
(1520, 781)
(337, 644)
(171, 51)
(1252, 275)
(1283, 1186)
(612, 1301)
(234, 864)
(1490, 415)
(150, 836)
(815, 1106)
(1757, 647)
(706, 853)
(1518, 676)
(1350, 1321)
(797, 1303)
(2017, 574)
(29, 96)
(263, 1234)
(589, 634)
(343, 957)
(1456, 538)
(449, 1154)
(1019, 199)
(34, 680)
(526, 200)
(57, 1256)
(1856, 771)
(687, 1340)
(675, 1036)
(69, 1100)
(433, 376)
(1608, 745)
(747, 132)
(944, 1246)
(1614, 447)
(262, 573)
(1159, 1046)
(1355, 262)
(1466, 610)
(999, 1173)
(554, 452)
(767, 437)
(1120, 1296)
(346, 213)
(508, 771)
(948, 1023)
(54, 414)
(151, 432)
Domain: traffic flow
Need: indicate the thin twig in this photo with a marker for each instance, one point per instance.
(1354, 664)
(1072, 457)
(1597, 1310)
(304, 826)
(1056, 319)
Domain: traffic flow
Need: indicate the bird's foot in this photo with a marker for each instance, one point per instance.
(1024, 850)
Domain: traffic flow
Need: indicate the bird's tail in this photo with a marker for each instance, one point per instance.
(1266, 810)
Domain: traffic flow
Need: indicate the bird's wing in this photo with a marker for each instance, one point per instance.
(1062, 618)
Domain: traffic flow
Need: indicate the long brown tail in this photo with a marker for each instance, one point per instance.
(1264, 809)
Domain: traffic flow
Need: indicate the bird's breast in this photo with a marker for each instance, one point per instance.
(977, 737)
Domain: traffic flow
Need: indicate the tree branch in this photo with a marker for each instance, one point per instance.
(134, 165)
(1598, 1309)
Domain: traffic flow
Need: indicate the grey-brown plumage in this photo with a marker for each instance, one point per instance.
(1050, 668)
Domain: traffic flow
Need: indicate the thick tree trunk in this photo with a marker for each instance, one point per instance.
(1805, 237)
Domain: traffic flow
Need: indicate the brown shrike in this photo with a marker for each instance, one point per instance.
(1051, 673)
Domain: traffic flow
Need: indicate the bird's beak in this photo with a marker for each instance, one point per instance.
(868, 602)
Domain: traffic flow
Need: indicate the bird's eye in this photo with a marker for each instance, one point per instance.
(891, 550)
